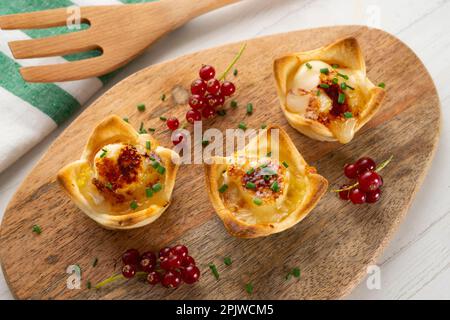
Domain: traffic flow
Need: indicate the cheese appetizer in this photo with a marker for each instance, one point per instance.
(257, 192)
(124, 179)
(325, 93)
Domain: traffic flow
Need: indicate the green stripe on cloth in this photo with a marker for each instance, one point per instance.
(49, 98)
(136, 1)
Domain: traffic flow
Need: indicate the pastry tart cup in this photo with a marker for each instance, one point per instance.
(346, 65)
(298, 186)
(141, 176)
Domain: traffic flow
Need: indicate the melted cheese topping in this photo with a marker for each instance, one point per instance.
(278, 190)
(122, 173)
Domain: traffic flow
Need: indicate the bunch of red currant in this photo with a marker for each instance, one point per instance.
(368, 182)
(208, 94)
(172, 267)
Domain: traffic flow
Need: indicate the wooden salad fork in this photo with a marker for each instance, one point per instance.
(120, 32)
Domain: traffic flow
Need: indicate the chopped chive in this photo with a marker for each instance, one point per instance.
(348, 115)
(324, 85)
(242, 126)
(308, 65)
(222, 112)
(163, 97)
(155, 164)
(347, 86)
(266, 178)
(89, 285)
(163, 118)
(257, 201)
(341, 98)
(335, 66)
(250, 171)
(233, 104)
(269, 154)
(161, 170)
(343, 86)
(109, 185)
(227, 261)
(318, 93)
(125, 119)
(37, 229)
(250, 185)
(275, 186)
(343, 76)
(249, 108)
(103, 154)
(148, 145)
(235, 72)
(148, 192)
(382, 85)
(151, 129)
(285, 164)
(133, 205)
(142, 129)
(94, 262)
(296, 272)
(205, 143)
(324, 71)
(214, 271)
(157, 187)
(249, 288)
(141, 107)
(335, 80)
(263, 126)
(223, 188)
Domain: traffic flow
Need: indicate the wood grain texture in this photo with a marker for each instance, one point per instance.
(332, 246)
(120, 32)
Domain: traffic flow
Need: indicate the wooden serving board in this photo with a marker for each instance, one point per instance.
(332, 246)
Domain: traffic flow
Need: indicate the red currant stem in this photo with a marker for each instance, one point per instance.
(380, 167)
(115, 278)
(236, 58)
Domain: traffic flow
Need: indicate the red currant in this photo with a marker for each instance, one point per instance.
(350, 171)
(149, 255)
(153, 277)
(146, 265)
(365, 164)
(173, 123)
(213, 86)
(131, 256)
(164, 252)
(373, 196)
(128, 271)
(177, 138)
(198, 87)
(207, 72)
(369, 181)
(227, 88)
(188, 261)
(211, 100)
(344, 194)
(357, 196)
(208, 112)
(196, 101)
(171, 279)
(180, 251)
(170, 262)
(220, 100)
(191, 274)
(193, 115)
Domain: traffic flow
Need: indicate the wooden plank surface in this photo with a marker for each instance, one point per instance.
(332, 246)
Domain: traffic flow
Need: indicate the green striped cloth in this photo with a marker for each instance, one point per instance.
(30, 111)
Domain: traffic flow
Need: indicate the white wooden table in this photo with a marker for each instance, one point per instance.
(416, 264)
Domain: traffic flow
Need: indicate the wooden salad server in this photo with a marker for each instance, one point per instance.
(120, 32)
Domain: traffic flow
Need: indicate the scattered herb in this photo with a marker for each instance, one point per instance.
(133, 205)
(348, 115)
(250, 185)
(294, 272)
(263, 126)
(324, 71)
(341, 98)
(148, 192)
(163, 97)
(249, 288)
(257, 201)
(235, 72)
(324, 85)
(205, 143)
(250, 171)
(308, 65)
(214, 270)
(285, 164)
(223, 188)
(249, 108)
(161, 170)
(335, 66)
(142, 129)
(227, 261)
(163, 118)
(382, 85)
(141, 107)
(269, 154)
(318, 93)
(343, 76)
(148, 145)
(109, 185)
(155, 164)
(37, 229)
(275, 186)
(125, 119)
(233, 104)
(89, 285)
(151, 129)
(103, 154)
(242, 126)
(94, 262)
(157, 187)
(335, 80)
(222, 112)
